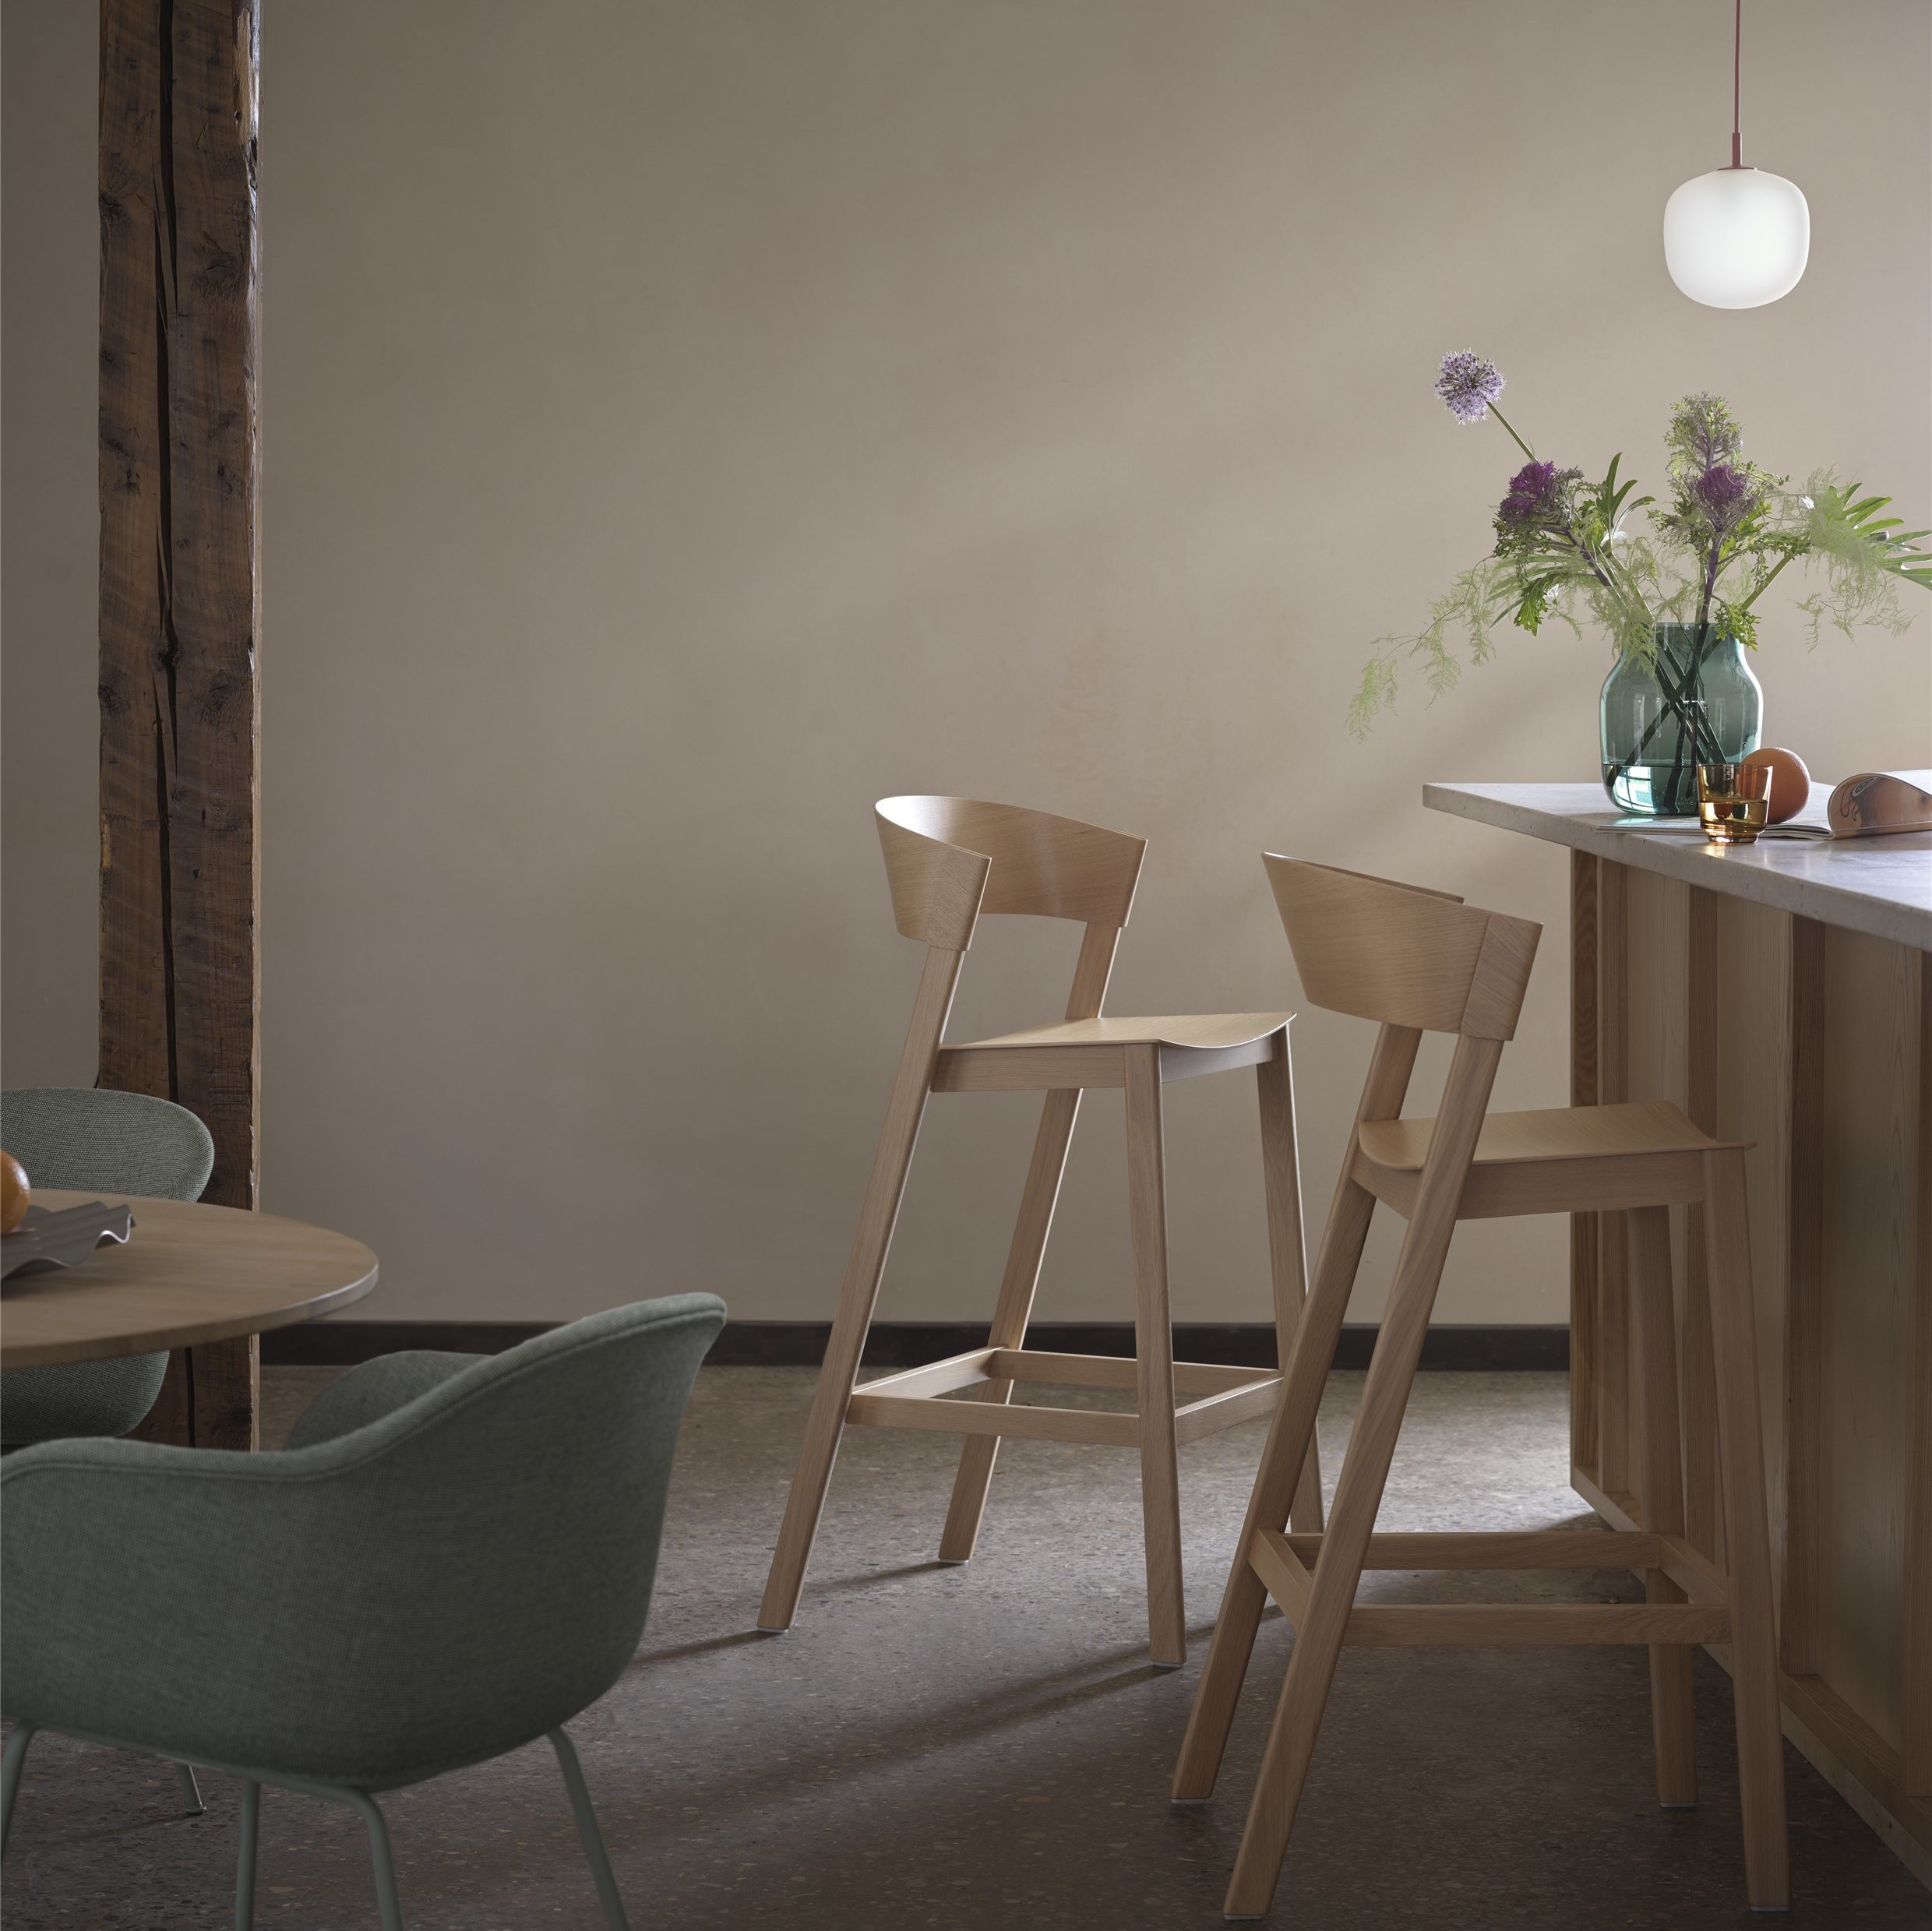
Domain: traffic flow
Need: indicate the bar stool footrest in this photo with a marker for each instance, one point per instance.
(1227, 1396)
(1281, 1561)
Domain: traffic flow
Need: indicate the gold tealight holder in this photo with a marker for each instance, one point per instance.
(1734, 801)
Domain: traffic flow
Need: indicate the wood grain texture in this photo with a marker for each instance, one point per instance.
(1915, 1749)
(983, 1420)
(1612, 1458)
(191, 1274)
(1703, 957)
(1880, 886)
(878, 1215)
(1746, 1534)
(949, 859)
(135, 682)
(1194, 1420)
(1291, 1743)
(1291, 1435)
(1874, 1187)
(1807, 1035)
(180, 602)
(1584, 1343)
(1288, 1251)
(1660, 1472)
(1804, 1288)
(1282, 1563)
(1549, 1161)
(1501, 1549)
(1154, 1359)
(1038, 1198)
(1388, 952)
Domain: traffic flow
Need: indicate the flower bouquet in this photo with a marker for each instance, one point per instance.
(1677, 601)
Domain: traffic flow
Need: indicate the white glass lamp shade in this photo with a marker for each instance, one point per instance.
(1736, 238)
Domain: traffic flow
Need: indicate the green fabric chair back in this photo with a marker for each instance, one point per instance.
(386, 1599)
(85, 1138)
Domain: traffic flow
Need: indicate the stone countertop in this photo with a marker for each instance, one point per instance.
(1881, 886)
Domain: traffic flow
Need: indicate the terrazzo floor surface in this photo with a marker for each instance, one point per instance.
(988, 1746)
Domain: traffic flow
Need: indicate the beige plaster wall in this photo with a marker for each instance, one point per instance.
(684, 423)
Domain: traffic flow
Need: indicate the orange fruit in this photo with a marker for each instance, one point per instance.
(15, 1193)
(1790, 782)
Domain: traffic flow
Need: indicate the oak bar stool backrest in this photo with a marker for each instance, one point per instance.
(1420, 959)
(949, 859)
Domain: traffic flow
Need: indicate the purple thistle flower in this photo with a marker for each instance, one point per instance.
(1468, 384)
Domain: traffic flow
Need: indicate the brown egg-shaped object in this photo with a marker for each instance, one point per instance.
(1790, 782)
(15, 1193)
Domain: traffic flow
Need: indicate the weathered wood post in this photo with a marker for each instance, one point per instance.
(181, 607)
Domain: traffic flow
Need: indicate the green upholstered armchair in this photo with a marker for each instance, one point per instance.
(86, 1137)
(453, 1555)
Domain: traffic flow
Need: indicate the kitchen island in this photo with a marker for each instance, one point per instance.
(1780, 992)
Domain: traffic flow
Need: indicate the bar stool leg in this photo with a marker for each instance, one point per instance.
(1290, 1440)
(1365, 1467)
(1760, 1765)
(1311, 1665)
(1014, 1309)
(1660, 1475)
(1153, 1350)
(1288, 1252)
(860, 1294)
(1291, 1435)
(1038, 1200)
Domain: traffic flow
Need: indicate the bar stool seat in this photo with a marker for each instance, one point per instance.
(1556, 1159)
(1091, 1052)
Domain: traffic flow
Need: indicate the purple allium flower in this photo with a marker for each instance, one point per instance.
(1468, 384)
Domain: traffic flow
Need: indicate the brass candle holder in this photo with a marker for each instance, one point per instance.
(1733, 801)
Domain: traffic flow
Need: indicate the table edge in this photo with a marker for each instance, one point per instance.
(1691, 864)
(186, 1334)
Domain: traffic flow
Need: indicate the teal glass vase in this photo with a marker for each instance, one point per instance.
(1659, 720)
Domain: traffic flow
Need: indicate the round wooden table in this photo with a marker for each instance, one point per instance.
(188, 1273)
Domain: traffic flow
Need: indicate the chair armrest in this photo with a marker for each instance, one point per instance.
(372, 1390)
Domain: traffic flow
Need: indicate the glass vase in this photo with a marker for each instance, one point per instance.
(1659, 720)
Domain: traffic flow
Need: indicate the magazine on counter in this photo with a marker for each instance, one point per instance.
(1866, 806)
(1863, 807)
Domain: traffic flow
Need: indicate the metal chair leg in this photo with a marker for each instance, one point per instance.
(244, 1857)
(386, 1895)
(191, 1801)
(594, 1850)
(10, 1776)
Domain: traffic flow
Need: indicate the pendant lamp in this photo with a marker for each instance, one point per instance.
(1739, 237)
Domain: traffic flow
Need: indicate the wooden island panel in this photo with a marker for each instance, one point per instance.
(1811, 1041)
(1813, 1038)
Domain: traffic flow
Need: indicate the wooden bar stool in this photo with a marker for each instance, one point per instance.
(947, 860)
(1419, 961)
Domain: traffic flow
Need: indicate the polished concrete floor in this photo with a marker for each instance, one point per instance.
(987, 1746)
